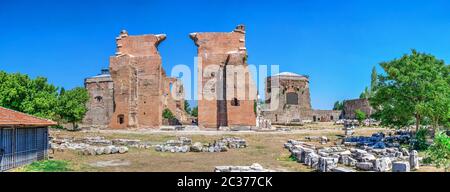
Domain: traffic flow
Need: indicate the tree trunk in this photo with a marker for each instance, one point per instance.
(417, 122)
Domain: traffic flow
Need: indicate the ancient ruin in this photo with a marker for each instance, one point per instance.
(350, 106)
(137, 91)
(226, 92)
(101, 103)
(288, 101)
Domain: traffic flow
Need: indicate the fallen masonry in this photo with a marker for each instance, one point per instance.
(184, 145)
(363, 158)
(253, 168)
(96, 145)
(380, 140)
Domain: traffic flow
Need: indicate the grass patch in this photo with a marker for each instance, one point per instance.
(287, 158)
(47, 166)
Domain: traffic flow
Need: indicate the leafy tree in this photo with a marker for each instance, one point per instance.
(373, 80)
(72, 105)
(187, 107)
(420, 141)
(195, 111)
(33, 96)
(439, 151)
(338, 105)
(62, 91)
(360, 116)
(365, 94)
(369, 92)
(167, 114)
(413, 87)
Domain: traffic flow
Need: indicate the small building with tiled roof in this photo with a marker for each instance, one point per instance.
(23, 138)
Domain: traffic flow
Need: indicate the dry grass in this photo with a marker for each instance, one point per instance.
(264, 148)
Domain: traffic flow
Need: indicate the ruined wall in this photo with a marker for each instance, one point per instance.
(219, 55)
(101, 103)
(289, 86)
(173, 98)
(351, 106)
(137, 74)
(326, 115)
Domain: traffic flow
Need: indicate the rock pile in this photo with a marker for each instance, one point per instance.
(328, 159)
(379, 140)
(96, 150)
(253, 168)
(87, 146)
(184, 145)
(322, 139)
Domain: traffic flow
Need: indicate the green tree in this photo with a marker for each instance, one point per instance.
(420, 141)
(187, 107)
(32, 96)
(338, 105)
(72, 105)
(373, 81)
(413, 87)
(439, 151)
(195, 111)
(365, 94)
(360, 116)
(167, 114)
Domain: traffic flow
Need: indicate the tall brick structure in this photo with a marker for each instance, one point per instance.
(141, 88)
(101, 102)
(225, 89)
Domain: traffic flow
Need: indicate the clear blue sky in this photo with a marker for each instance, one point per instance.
(336, 42)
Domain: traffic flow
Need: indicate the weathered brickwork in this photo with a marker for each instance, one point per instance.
(351, 106)
(141, 88)
(226, 93)
(101, 102)
(288, 101)
(326, 115)
(288, 96)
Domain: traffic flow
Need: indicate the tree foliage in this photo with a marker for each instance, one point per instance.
(420, 140)
(369, 92)
(72, 105)
(413, 88)
(439, 151)
(365, 94)
(360, 116)
(187, 107)
(167, 114)
(373, 80)
(40, 98)
(338, 105)
(195, 111)
(33, 96)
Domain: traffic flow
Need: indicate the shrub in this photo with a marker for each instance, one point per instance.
(167, 114)
(439, 151)
(360, 116)
(420, 141)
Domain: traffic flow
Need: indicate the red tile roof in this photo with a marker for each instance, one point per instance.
(9, 117)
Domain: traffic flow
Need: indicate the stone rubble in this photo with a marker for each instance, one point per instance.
(184, 145)
(364, 158)
(253, 168)
(380, 140)
(401, 166)
(95, 145)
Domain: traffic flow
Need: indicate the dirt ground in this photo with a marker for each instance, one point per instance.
(264, 148)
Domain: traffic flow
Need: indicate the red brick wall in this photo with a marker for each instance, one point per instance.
(222, 49)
